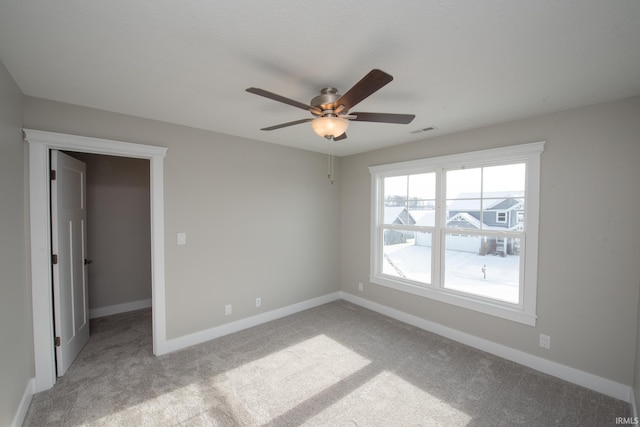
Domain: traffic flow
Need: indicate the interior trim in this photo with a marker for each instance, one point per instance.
(248, 322)
(40, 143)
(23, 407)
(110, 310)
(564, 372)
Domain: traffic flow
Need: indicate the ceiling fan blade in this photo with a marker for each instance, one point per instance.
(402, 119)
(369, 84)
(280, 98)
(284, 125)
(341, 137)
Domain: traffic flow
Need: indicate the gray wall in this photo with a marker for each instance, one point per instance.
(261, 220)
(16, 351)
(118, 229)
(588, 245)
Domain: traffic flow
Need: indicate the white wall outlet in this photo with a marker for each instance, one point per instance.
(360, 287)
(258, 302)
(227, 309)
(182, 238)
(545, 341)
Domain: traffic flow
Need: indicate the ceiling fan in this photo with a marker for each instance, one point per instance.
(331, 109)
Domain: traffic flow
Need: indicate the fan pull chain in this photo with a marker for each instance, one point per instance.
(330, 175)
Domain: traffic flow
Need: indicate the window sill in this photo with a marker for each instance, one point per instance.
(468, 302)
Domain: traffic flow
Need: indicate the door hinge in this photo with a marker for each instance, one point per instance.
(54, 259)
(56, 341)
(52, 175)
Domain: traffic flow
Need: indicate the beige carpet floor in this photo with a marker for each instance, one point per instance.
(334, 365)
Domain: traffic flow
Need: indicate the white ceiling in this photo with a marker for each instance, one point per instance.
(456, 64)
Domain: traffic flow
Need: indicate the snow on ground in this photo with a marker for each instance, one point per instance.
(463, 270)
(408, 260)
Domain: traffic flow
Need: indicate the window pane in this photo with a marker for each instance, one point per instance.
(484, 266)
(422, 194)
(505, 180)
(395, 200)
(395, 189)
(464, 183)
(422, 186)
(407, 254)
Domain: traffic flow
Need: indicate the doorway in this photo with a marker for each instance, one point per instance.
(118, 233)
(40, 144)
(116, 246)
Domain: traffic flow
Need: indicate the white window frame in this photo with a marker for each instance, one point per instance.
(523, 312)
(504, 220)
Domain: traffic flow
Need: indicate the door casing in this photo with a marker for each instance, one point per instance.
(40, 143)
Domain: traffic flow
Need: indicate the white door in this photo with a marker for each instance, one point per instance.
(68, 243)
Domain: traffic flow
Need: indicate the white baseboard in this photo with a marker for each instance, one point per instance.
(18, 418)
(229, 328)
(572, 375)
(567, 373)
(119, 308)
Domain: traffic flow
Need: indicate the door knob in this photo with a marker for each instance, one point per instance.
(87, 261)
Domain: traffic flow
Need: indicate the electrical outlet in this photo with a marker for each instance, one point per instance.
(227, 309)
(360, 287)
(182, 238)
(545, 341)
(258, 302)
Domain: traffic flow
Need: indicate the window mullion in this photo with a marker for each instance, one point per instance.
(420, 228)
(436, 256)
(406, 202)
(482, 198)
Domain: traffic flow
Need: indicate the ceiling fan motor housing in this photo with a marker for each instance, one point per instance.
(326, 101)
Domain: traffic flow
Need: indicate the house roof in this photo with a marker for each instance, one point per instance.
(424, 217)
(392, 213)
(463, 216)
(470, 202)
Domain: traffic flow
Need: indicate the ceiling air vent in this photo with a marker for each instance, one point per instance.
(423, 130)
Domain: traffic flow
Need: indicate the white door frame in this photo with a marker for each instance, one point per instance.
(40, 143)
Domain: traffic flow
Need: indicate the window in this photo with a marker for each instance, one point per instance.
(461, 229)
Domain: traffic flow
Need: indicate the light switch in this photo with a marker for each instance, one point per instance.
(182, 238)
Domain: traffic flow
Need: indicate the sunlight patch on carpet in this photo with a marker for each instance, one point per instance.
(378, 399)
(171, 408)
(273, 385)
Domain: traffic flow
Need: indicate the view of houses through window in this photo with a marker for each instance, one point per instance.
(461, 229)
(480, 234)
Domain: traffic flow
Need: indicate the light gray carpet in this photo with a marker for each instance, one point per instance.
(336, 365)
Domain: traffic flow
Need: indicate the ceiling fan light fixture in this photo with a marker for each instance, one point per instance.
(329, 126)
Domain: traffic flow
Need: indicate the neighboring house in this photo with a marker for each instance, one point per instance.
(424, 218)
(503, 211)
(397, 215)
